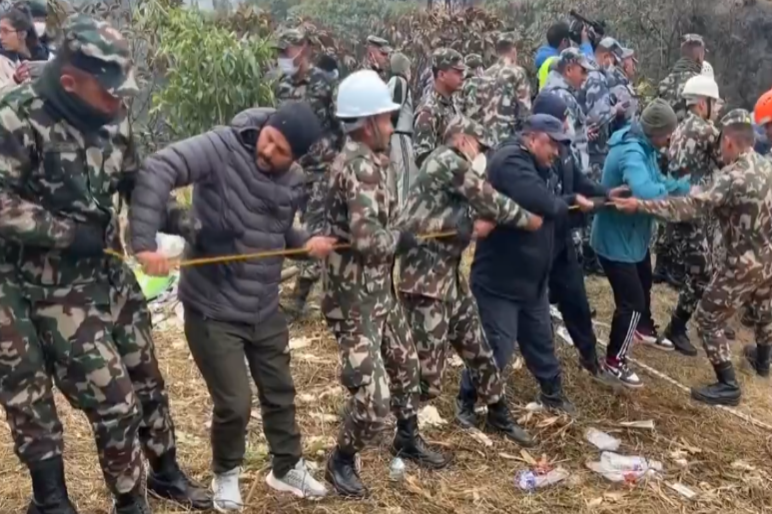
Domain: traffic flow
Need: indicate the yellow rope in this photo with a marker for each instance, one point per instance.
(270, 253)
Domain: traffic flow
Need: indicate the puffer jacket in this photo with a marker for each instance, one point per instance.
(242, 209)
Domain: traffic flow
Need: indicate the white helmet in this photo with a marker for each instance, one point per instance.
(700, 86)
(363, 94)
(707, 69)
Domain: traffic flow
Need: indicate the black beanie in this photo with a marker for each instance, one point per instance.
(299, 124)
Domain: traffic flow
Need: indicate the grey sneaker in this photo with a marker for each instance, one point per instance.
(299, 482)
(227, 497)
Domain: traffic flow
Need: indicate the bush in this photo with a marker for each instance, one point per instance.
(210, 72)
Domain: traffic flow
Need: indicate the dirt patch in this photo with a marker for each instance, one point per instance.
(726, 457)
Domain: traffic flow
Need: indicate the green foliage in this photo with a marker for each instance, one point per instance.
(210, 72)
(353, 19)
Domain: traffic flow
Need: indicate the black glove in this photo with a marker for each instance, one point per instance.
(406, 242)
(89, 241)
(464, 230)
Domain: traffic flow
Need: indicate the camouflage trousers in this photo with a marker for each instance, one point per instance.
(664, 246)
(730, 289)
(438, 324)
(381, 371)
(691, 253)
(101, 357)
(312, 218)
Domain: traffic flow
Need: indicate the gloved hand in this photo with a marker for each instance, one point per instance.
(464, 230)
(406, 242)
(89, 241)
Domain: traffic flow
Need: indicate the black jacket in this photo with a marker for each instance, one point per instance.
(514, 263)
(571, 182)
(241, 209)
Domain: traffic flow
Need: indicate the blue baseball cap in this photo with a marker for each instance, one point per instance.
(547, 124)
(552, 104)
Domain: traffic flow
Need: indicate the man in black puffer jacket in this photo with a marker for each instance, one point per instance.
(246, 192)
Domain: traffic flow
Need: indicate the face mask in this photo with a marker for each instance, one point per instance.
(287, 65)
(480, 164)
(40, 28)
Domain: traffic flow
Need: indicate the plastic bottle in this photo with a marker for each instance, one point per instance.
(397, 470)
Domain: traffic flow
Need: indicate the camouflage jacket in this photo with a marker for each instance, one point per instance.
(671, 86)
(596, 98)
(319, 91)
(53, 178)
(431, 119)
(622, 92)
(360, 207)
(476, 100)
(444, 191)
(741, 200)
(694, 150)
(511, 98)
(577, 121)
(425, 82)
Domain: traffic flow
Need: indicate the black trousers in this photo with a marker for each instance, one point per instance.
(631, 284)
(219, 349)
(566, 289)
(507, 323)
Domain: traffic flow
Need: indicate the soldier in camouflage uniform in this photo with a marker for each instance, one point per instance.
(511, 99)
(377, 58)
(425, 82)
(474, 65)
(741, 199)
(601, 112)
(476, 99)
(566, 80)
(620, 77)
(437, 108)
(688, 65)
(436, 297)
(79, 314)
(379, 360)
(300, 80)
(694, 151)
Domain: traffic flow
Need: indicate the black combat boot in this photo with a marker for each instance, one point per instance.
(724, 392)
(465, 414)
(553, 398)
(501, 420)
(342, 473)
(409, 444)
(166, 480)
(297, 305)
(134, 502)
(677, 333)
(49, 488)
(758, 357)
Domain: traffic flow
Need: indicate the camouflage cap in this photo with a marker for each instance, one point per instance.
(507, 38)
(99, 49)
(737, 117)
(692, 39)
(379, 42)
(574, 56)
(289, 37)
(447, 58)
(473, 61)
(463, 125)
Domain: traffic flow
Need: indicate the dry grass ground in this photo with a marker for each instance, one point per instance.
(727, 457)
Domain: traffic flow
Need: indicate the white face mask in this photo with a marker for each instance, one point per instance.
(287, 65)
(479, 164)
(40, 28)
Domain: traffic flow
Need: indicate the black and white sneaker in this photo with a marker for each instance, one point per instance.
(650, 337)
(622, 374)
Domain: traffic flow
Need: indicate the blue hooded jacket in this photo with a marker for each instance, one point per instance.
(546, 51)
(632, 161)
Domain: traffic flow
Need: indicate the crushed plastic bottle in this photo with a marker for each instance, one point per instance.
(529, 481)
(602, 440)
(623, 468)
(397, 470)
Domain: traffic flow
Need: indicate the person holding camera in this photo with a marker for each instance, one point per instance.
(558, 39)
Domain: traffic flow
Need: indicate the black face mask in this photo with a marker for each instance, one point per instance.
(63, 105)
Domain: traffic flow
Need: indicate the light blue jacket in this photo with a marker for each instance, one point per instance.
(632, 161)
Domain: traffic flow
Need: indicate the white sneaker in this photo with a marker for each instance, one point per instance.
(299, 482)
(227, 497)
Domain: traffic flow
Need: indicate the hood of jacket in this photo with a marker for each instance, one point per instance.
(542, 54)
(632, 134)
(248, 124)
